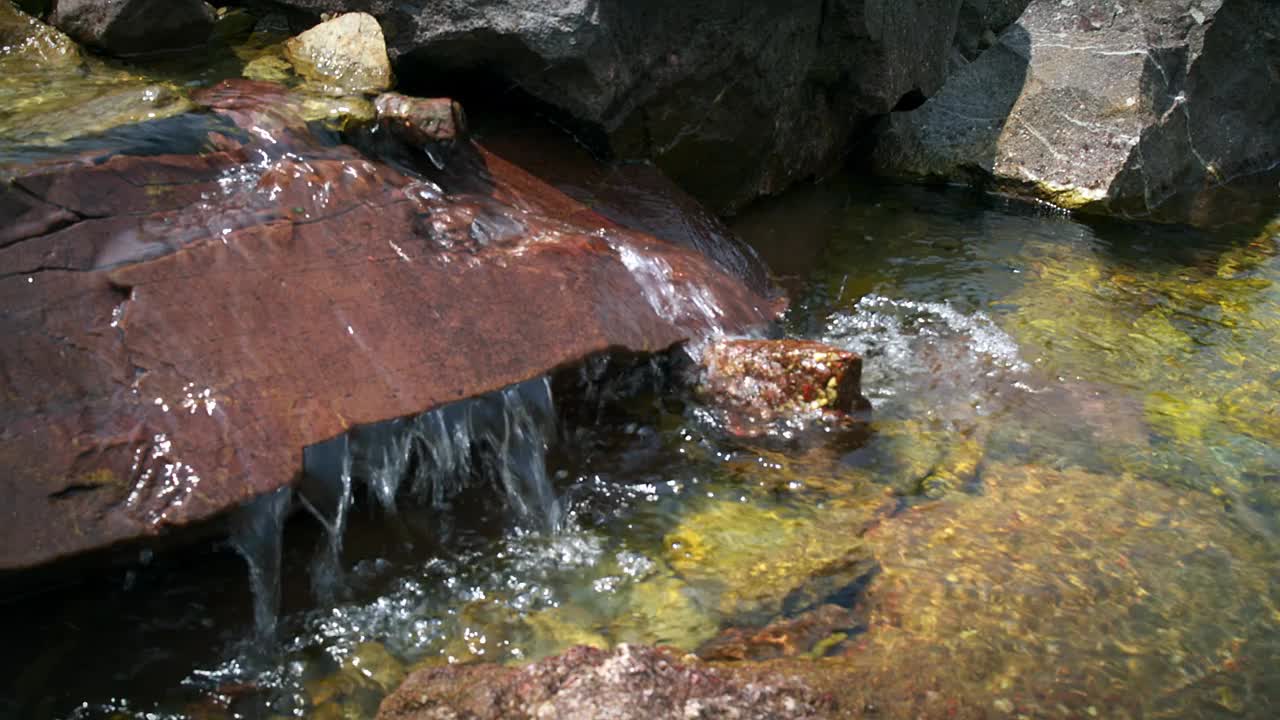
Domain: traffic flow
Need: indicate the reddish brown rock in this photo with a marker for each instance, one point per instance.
(758, 384)
(630, 683)
(808, 633)
(421, 120)
(179, 328)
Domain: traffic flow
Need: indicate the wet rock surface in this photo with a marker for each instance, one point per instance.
(131, 27)
(24, 36)
(421, 120)
(347, 54)
(761, 385)
(583, 683)
(1162, 110)
(184, 325)
(732, 102)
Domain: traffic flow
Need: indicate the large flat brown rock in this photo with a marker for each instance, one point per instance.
(178, 328)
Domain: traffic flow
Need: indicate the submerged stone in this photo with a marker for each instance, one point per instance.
(185, 325)
(346, 54)
(631, 682)
(31, 41)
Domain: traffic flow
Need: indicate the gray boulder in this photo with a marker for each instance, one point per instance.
(133, 27)
(732, 100)
(1163, 109)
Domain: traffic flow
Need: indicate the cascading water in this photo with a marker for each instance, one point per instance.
(256, 534)
(326, 494)
(683, 303)
(502, 436)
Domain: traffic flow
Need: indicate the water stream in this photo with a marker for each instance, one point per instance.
(1068, 504)
(1070, 497)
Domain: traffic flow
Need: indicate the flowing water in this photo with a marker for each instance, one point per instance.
(1067, 507)
(1068, 504)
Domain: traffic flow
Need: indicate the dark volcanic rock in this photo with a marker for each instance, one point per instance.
(732, 100)
(630, 683)
(1164, 109)
(179, 328)
(130, 27)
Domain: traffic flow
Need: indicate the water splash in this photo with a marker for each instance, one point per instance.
(910, 346)
(257, 531)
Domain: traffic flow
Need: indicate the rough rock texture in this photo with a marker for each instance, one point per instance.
(759, 384)
(1156, 109)
(421, 120)
(732, 100)
(630, 683)
(180, 327)
(347, 54)
(130, 27)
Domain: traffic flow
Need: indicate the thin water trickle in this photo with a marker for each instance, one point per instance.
(685, 302)
(257, 534)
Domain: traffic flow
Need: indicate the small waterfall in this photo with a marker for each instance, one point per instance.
(683, 303)
(326, 493)
(501, 436)
(257, 530)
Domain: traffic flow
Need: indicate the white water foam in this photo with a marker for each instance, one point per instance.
(920, 348)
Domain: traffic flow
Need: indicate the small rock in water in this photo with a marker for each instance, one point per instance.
(346, 54)
(761, 383)
(421, 120)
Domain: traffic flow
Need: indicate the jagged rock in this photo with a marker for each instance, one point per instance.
(629, 683)
(131, 27)
(180, 327)
(1151, 109)
(732, 101)
(347, 53)
(759, 384)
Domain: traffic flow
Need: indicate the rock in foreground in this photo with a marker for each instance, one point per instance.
(630, 683)
(760, 384)
(180, 327)
(1157, 110)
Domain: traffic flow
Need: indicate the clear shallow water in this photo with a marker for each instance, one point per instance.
(1067, 506)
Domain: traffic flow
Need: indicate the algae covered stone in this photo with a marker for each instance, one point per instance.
(26, 39)
(346, 54)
